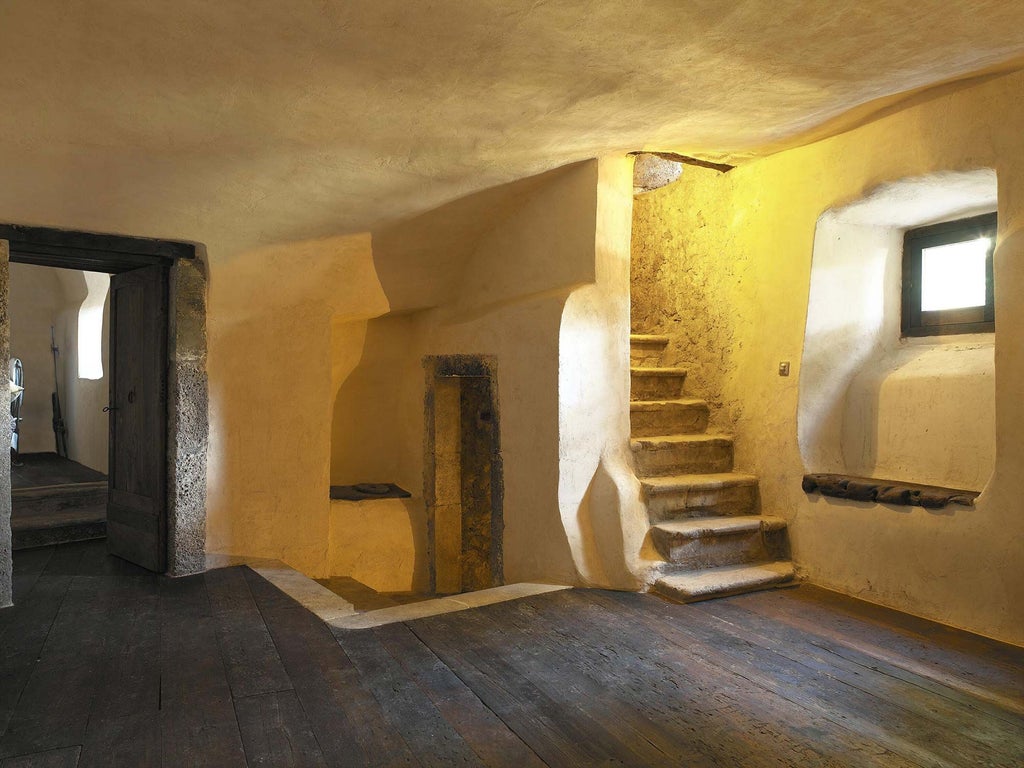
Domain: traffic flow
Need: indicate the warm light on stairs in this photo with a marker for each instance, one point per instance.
(704, 517)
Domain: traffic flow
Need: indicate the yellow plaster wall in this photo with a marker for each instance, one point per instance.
(722, 262)
(506, 295)
(272, 319)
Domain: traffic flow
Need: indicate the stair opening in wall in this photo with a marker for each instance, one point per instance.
(463, 468)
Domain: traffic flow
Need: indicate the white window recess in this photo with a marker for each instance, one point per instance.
(90, 326)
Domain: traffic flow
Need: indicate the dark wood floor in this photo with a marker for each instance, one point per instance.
(35, 470)
(102, 664)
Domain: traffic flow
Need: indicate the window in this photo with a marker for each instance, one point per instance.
(90, 326)
(947, 278)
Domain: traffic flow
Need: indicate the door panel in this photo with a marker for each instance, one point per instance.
(136, 507)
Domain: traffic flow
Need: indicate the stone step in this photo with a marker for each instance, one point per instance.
(682, 454)
(675, 496)
(656, 383)
(711, 542)
(720, 582)
(664, 417)
(646, 349)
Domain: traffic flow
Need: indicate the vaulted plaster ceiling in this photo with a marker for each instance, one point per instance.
(244, 122)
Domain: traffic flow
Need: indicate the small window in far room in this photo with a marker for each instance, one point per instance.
(947, 278)
(90, 326)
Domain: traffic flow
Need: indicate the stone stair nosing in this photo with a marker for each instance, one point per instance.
(704, 520)
(699, 495)
(646, 349)
(682, 454)
(656, 383)
(691, 586)
(684, 415)
(718, 541)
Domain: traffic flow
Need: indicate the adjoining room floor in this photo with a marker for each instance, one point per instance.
(104, 664)
(35, 470)
(56, 500)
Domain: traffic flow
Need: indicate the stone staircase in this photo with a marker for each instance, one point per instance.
(704, 520)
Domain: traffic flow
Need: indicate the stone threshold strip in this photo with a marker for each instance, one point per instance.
(339, 613)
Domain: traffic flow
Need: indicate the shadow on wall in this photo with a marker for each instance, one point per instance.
(271, 387)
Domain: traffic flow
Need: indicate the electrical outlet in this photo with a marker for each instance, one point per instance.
(784, 368)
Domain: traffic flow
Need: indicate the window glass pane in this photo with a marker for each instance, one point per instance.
(953, 275)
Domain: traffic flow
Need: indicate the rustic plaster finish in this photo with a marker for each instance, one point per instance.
(651, 172)
(687, 281)
(6, 563)
(321, 116)
(188, 419)
(870, 402)
(747, 237)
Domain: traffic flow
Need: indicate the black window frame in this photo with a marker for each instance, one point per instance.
(914, 321)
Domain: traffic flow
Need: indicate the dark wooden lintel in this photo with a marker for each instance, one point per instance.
(45, 246)
(687, 160)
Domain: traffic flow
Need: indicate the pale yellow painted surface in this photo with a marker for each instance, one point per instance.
(381, 543)
(737, 250)
(498, 298)
(243, 123)
(271, 373)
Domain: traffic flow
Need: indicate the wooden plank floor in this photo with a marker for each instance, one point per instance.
(103, 664)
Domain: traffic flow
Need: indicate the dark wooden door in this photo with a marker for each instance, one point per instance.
(136, 507)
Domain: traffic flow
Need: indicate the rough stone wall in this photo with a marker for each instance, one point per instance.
(6, 563)
(188, 419)
(683, 283)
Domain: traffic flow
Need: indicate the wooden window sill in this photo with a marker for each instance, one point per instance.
(887, 491)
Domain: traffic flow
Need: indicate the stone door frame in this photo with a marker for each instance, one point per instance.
(188, 390)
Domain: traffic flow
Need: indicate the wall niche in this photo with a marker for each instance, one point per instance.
(873, 404)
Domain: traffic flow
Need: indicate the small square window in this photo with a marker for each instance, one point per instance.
(947, 278)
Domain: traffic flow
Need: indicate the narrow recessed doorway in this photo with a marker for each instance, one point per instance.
(464, 487)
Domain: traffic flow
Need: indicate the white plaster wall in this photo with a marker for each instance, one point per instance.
(598, 493)
(924, 414)
(962, 567)
(41, 297)
(873, 404)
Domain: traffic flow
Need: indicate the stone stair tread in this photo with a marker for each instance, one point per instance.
(725, 580)
(656, 371)
(653, 405)
(648, 338)
(702, 482)
(702, 527)
(703, 437)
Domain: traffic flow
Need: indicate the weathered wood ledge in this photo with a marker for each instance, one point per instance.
(886, 491)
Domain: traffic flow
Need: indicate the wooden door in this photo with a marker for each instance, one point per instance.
(137, 502)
